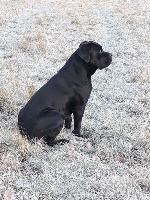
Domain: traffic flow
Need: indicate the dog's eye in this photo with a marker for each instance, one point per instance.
(45, 111)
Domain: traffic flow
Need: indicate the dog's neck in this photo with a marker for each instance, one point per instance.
(91, 69)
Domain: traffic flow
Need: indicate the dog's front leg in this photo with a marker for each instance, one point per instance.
(78, 114)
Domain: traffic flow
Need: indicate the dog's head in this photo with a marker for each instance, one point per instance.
(92, 53)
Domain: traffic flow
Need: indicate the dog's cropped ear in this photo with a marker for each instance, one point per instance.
(95, 47)
(84, 51)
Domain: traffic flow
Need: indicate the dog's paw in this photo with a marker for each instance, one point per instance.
(55, 142)
(77, 133)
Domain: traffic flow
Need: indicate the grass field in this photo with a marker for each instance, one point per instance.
(112, 161)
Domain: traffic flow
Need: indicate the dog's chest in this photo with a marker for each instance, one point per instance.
(82, 93)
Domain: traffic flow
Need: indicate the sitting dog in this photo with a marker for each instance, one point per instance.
(64, 94)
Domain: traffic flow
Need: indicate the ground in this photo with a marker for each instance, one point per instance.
(112, 161)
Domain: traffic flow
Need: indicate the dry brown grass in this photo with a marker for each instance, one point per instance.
(35, 43)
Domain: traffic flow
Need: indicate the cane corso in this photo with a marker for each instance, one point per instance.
(64, 94)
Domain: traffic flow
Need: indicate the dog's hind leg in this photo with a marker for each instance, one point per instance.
(68, 122)
(50, 138)
(48, 126)
(51, 142)
(55, 128)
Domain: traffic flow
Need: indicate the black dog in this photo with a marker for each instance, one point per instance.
(65, 93)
